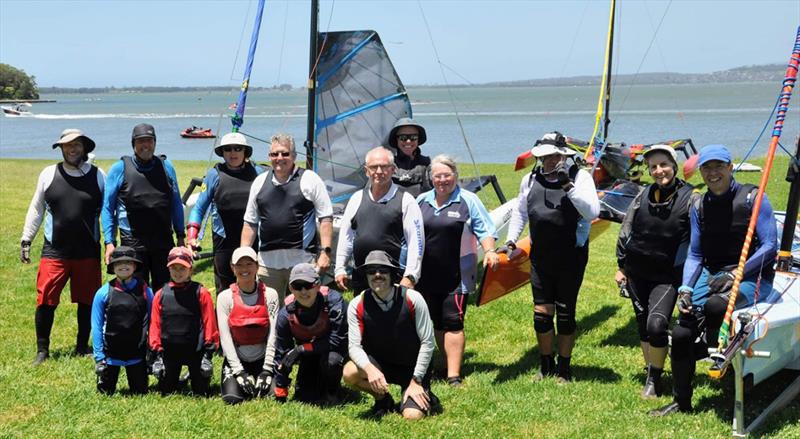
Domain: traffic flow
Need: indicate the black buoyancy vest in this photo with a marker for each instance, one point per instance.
(657, 232)
(125, 313)
(312, 323)
(378, 226)
(180, 316)
(552, 225)
(148, 201)
(74, 203)
(283, 211)
(412, 173)
(389, 336)
(441, 263)
(230, 199)
(723, 227)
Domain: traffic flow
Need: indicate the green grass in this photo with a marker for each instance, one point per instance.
(499, 398)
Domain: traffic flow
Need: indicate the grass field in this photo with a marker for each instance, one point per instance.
(499, 398)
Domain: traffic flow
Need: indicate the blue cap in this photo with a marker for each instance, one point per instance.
(714, 152)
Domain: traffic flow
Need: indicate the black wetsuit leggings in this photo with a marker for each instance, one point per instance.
(231, 392)
(137, 378)
(174, 359)
(653, 303)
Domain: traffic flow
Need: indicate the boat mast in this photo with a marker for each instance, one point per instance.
(312, 84)
(607, 119)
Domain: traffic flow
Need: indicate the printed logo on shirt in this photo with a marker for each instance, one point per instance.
(453, 214)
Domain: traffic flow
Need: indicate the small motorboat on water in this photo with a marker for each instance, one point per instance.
(20, 109)
(198, 133)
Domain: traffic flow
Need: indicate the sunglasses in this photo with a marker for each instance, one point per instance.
(302, 285)
(280, 154)
(185, 258)
(377, 270)
(408, 137)
(233, 148)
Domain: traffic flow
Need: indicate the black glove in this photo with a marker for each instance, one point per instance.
(290, 359)
(563, 177)
(206, 365)
(100, 367)
(511, 245)
(25, 252)
(623, 290)
(246, 383)
(720, 282)
(685, 299)
(263, 383)
(158, 369)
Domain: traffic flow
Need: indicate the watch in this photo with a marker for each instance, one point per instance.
(417, 379)
(327, 250)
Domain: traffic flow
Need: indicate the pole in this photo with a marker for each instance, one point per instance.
(608, 74)
(312, 84)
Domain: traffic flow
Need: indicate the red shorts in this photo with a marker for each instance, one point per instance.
(83, 274)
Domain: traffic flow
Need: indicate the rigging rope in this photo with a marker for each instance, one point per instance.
(786, 94)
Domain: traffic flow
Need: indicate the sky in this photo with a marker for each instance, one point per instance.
(204, 42)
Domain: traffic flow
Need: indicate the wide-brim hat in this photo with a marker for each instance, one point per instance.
(70, 134)
(234, 139)
(378, 257)
(406, 122)
(670, 151)
(123, 253)
(552, 143)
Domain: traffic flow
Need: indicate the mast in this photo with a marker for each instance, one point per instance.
(312, 84)
(608, 70)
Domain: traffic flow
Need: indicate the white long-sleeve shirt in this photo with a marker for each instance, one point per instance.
(235, 354)
(583, 196)
(413, 231)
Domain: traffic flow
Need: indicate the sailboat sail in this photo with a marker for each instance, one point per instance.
(238, 118)
(359, 97)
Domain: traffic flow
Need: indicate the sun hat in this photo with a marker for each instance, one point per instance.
(70, 134)
(123, 253)
(232, 139)
(180, 256)
(406, 122)
(305, 272)
(665, 148)
(378, 257)
(243, 252)
(714, 152)
(551, 143)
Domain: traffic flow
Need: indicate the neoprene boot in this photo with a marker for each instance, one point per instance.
(44, 324)
(682, 376)
(547, 367)
(652, 385)
(84, 329)
(564, 370)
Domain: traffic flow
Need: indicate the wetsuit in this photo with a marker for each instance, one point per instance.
(392, 224)
(247, 335)
(718, 228)
(413, 173)
(225, 197)
(395, 335)
(120, 319)
(322, 330)
(651, 249)
(68, 202)
(559, 224)
(143, 201)
(183, 327)
(450, 262)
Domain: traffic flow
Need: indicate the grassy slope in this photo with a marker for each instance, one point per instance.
(499, 398)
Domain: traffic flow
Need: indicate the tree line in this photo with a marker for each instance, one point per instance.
(16, 84)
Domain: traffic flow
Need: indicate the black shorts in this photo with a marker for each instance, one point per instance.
(447, 310)
(557, 286)
(401, 375)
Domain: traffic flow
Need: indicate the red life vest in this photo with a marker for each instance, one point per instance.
(248, 324)
(307, 334)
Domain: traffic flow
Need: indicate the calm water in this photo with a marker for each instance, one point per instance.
(499, 122)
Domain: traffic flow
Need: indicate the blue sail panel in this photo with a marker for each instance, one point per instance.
(238, 118)
(359, 97)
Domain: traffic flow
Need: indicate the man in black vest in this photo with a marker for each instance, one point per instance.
(311, 331)
(68, 198)
(381, 217)
(719, 224)
(142, 199)
(390, 342)
(282, 210)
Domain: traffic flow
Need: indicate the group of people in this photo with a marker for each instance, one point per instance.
(407, 248)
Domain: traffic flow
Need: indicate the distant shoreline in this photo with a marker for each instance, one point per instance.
(745, 74)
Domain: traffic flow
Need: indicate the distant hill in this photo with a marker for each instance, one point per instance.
(754, 73)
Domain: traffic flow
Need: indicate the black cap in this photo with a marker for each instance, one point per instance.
(143, 130)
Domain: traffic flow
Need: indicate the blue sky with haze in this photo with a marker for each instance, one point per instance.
(195, 43)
